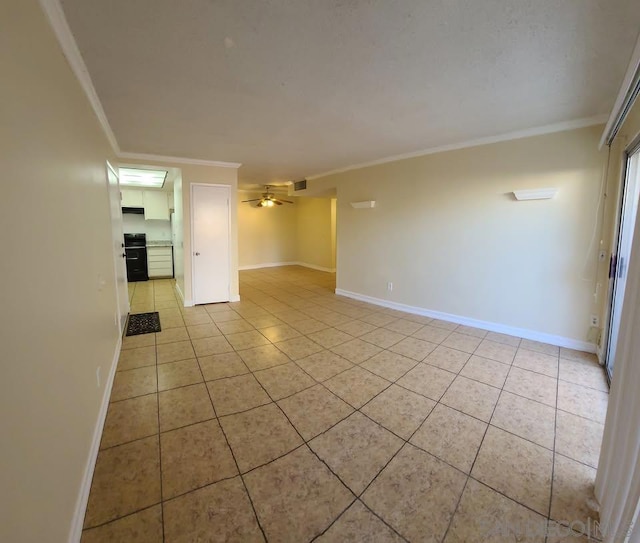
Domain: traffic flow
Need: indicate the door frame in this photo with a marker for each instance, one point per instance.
(116, 261)
(191, 235)
(629, 151)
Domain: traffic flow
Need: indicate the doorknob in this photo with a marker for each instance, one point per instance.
(197, 254)
(124, 255)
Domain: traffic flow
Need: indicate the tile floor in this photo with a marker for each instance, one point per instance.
(296, 415)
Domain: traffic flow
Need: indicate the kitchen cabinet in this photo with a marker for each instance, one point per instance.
(132, 198)
(160, 262)
(156, 205)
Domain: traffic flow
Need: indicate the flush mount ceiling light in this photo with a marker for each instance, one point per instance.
(268, 199)
(135, 177)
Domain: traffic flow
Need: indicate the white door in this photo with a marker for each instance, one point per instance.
(117, 235)
(210, 251)
(620, 261)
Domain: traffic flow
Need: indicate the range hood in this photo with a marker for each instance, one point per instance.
(133, 210)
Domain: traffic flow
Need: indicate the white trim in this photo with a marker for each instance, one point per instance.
(619, 105)
(179, 291)
(278, 264)
(235, 298)
(178, 160)
(192, 218)
(77, 522)
(485, 325)
(519, 134)
(55, 15)
(189, 303)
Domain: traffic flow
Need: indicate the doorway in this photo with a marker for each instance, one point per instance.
(210, 243)
(117, 239)
(620, 259)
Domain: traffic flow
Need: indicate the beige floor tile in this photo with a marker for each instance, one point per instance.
(299, 347)
(178, 374)
(194, 456)
(171, 322)
(496, 351)
(586, 374)
(308, 326)
(540, 347)
(358, 524)
(504, 339)
(471, 331)
(447, 359)
(235, 394)
(573, 496)
(471, 397)
(515, 467)
(265, 356)
(330, 337)
(142, 527)
(484, 516)
(132, 383)
(432, 334)
(378, 318)
(172, 352)
(390, 366)
(399, 410)
(172, 335)
(279, 332)
(539, 362)
(451, 436)
(534, 386)
(526, 418)
(462, 342)
(403, 326)
(137, 358)
(486, 371)
(314, 410)
(356, 449)
(263, 321)
(382, 337)
(579, 438)
(235, 327)
(211, 345)
(126, 479)
(246, 340)
(445, 325)
(185, 405)
(413, 348)
(356, 386)
(224, 316)
(585, 402)
(427, 380)
(203, 330)
(132, 419)
(218, 512)
(557, 533)
(217, 308)
(356, 350)
(324, 365)
(296, 497)
(284, 380)
(416, 494)
(218, 366)
(135, 342)
(259, 436)
(572, 354)
(356, 328)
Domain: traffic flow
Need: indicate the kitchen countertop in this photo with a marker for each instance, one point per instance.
(159, 243)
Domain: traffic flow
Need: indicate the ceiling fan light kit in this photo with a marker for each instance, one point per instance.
(268, 199)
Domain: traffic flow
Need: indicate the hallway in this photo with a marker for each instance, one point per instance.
(297, 414)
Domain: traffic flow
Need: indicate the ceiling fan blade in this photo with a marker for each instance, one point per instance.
(277, 202)
(288, 201)
(259, 204)
(254, 200)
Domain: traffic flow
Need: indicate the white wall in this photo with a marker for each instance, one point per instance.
(57, 292)
(450, 236)
(155, 230)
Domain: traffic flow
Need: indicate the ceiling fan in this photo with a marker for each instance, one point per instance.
(268, 199)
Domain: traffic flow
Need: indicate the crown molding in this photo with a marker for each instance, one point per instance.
(519, 134)
(178, 160)
(55, 15)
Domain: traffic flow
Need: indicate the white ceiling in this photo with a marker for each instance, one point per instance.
(294, 88)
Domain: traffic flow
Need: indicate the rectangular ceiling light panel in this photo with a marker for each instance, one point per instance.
(135, 177)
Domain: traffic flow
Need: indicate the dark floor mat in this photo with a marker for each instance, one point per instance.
(143, 323)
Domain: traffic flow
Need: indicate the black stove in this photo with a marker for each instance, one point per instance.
(135, 247)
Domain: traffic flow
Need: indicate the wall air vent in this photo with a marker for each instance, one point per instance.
(300, 185)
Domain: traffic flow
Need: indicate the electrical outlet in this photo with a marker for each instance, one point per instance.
(389, 286)
(98, 376)
(595, 320)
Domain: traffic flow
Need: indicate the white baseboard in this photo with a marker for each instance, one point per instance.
(485, 325)
(83, 498)
(277, 264)
(234, 298)
(179, 291)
